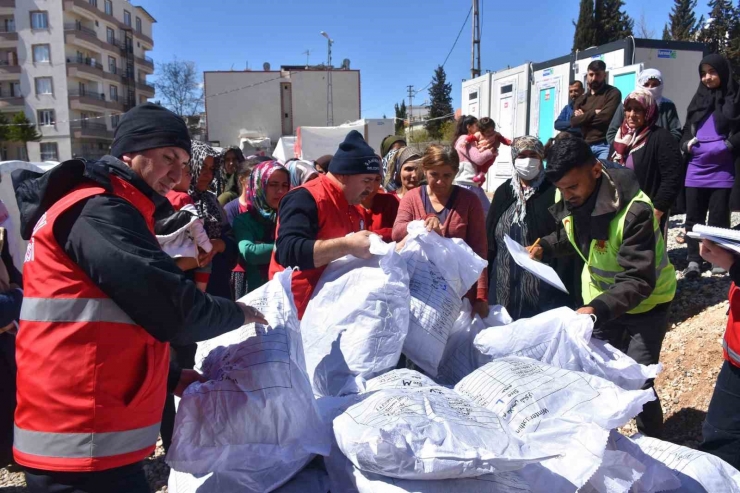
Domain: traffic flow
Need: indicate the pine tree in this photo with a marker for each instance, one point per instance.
(585, 35)
(400, 117)
(611, 22)
(666, 33)
(733, 47)
(716, 32)
(23, 130)
(682, 21)
(441, 103)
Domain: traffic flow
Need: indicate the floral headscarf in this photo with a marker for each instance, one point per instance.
(205, 202)
(257, 192)
(300, 172)
(522, 193)
(629, 140)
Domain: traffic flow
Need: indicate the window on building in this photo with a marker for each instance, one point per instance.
(112, 65)
(94, 3)
(138, 24)
(113, 93)
(127, 18)
(41, 54)
(44, 85)
(46, 117)
(49, 151)
(39, 20)
(114, 119)
(81, 88)
(110, 35)
(15, 90)
(109, 7)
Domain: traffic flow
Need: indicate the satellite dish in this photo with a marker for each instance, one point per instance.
(266, 66)
(345, 64)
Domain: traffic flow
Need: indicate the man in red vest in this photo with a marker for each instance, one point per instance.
(102, 303)
(315, 219)
(721, 428)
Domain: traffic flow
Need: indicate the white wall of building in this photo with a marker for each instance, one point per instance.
(476, 96)
(613, 59)
(259, 108)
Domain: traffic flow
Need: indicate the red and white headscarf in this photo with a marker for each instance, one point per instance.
(629, 140)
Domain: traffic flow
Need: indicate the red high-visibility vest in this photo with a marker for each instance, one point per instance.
(731, 343)
(337, 219)
(91, 383)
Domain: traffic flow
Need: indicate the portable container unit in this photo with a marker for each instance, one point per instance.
(549, 94)
(476, 96)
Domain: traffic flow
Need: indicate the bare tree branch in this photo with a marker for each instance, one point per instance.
(643, 28)
(179, 84)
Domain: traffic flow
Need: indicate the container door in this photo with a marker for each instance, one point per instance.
(506, 125)
(548, 99)
(473, 102)
(286, 107)
(625, 78)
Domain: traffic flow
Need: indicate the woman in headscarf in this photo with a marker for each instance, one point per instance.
(651, 80)
(710, 142)
(301, 172)
(650, 151)
(393, 167)
(255, 229)
(226, 181)
(520, 210)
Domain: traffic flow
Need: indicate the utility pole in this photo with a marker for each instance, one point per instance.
(329, 88)
(409, 112)
(475, 52)
(308, 54)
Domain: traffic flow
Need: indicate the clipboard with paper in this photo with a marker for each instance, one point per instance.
(520, 255)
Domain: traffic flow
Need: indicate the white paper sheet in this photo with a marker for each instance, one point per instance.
(538, 269)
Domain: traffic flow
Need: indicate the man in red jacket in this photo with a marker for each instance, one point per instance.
(102, 303)
(320, 221)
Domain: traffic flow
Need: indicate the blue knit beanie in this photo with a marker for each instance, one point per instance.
(354, 157)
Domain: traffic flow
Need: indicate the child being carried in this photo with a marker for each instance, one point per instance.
(486, 138)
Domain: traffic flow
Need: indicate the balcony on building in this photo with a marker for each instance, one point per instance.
(11, 104)
(82, 35)
(143, 86)
(79, 100)
(8, 33)
(9, 70)
(82, 8)
(7, 7)
(90, 129)
(90, 151)
(146, 62)
(84, 67)
(117, 102)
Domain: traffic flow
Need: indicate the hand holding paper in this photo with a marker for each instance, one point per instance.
(524, 259)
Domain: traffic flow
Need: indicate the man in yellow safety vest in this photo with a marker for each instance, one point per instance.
(628, 281)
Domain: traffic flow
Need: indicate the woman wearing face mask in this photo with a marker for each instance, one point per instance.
(450, 210)
(652, 81)
(710, 142)
(255, 229)
(520, 210)
(650, 151)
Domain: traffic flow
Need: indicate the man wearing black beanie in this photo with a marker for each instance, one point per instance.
(315, 219)
(103, 303)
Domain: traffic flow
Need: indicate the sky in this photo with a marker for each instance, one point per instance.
(394, 43)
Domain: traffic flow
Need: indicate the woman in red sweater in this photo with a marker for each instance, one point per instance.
(450, 210)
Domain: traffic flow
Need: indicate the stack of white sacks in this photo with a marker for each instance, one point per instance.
(528, 406)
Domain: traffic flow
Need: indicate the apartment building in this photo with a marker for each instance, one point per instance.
(73, 66)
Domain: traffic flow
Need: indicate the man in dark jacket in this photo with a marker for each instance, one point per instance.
(562, 124)
(105, 242)
(628, 281)
(595, 109)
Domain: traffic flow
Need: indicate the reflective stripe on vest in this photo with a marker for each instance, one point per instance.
(73, 310)
(734, 357)
(601, 266)
(84, 445)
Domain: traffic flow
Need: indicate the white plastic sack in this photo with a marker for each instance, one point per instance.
(491, 483)
(697, 471)
(562, 411)
(428, 433)
(399, 379)
(255, 418)
(461, 357)
(307, 481)
(442, 270)
(357, 320)
(561, 338)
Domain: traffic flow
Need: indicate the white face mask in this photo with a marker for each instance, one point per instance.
(657, 92)
(527, 167)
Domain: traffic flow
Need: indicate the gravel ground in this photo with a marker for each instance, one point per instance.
(692, 356)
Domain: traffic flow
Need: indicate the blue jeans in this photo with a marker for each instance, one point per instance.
(721, 428)
(601, 151)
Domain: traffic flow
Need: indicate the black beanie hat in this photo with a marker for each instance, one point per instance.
(354, 157)
(149, 126)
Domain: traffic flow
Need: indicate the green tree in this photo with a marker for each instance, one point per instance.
(22, 130)
(585, 35)
(440, 95)
(666, 33)
(611, 21)
(733, 46)
(4, 128)
(682, 23)
(715, 34)
(400, 117)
